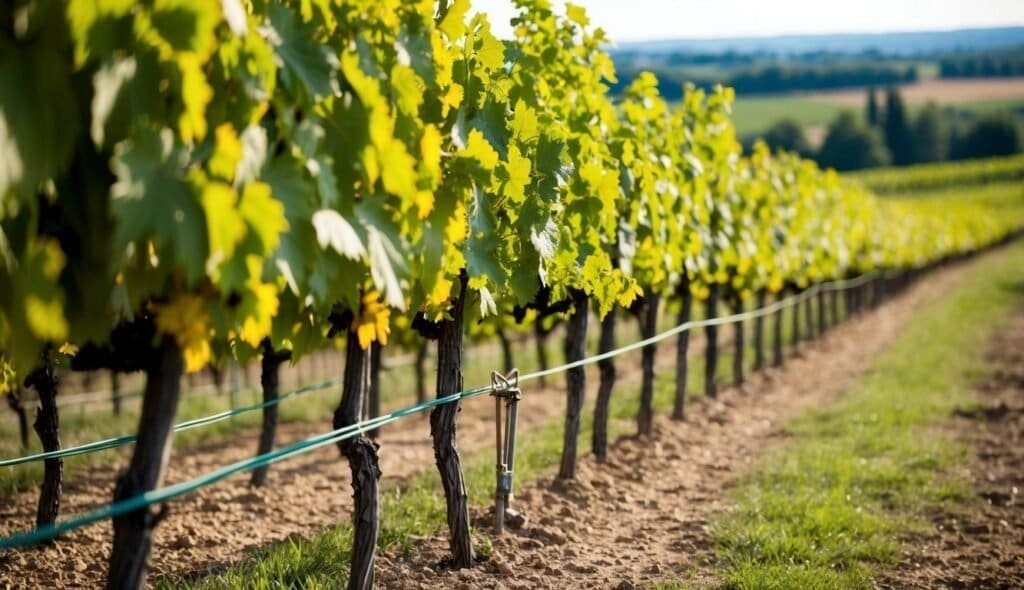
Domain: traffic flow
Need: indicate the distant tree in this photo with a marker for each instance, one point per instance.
(995, 134)
(897, 130)
(873, 114)
(851, 145)
(930, 135)
(787, 134)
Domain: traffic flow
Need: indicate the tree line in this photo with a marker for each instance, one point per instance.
(889, 134)
(764, 79)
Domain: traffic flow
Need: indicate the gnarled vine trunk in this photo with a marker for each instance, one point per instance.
(575, 350)
(604, 389)
(822, 313)
(508, 363)
(711, 334)
(739, 344)
(47, 426)
(796, 317)
(373, 395)
(778, 359)
(115, 391)
(421, 373)
(682, 351)
(14, 401)
(361, 453)
(133, 531)
(809, 318)
(834, 307)
(270, 371)
(540, 338)
(648, 328)
(443, 427)
(759, 333)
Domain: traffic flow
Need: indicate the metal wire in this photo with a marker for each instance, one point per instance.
(171, 492)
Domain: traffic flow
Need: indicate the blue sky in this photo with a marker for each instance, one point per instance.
(637, 20)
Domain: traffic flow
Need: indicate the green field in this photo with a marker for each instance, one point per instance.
(758, 113)
(755, 114)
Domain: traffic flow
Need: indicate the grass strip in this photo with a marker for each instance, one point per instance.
(830, 507)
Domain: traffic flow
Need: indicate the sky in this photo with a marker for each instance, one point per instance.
(640, 20)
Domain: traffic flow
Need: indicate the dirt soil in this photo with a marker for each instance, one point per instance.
(642, 517)
(981, 546)
(635, 533)
(214, 527)
(217, 526)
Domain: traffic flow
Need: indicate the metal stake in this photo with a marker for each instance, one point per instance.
(504, 388)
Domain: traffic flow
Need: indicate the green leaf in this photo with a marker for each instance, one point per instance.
(489, 50)
(518, 170)
(225, 227)
(480, 150)
(37, 130)
(312, 63)
(98, 27)
(298, 247)
(109, 99)
(263, 214)
(454, 22)
(152, 200)
(577, 14)
(187, 25)
(481, 250)
(524, 122)
(35, 308)
(388, 261)
(196, 94)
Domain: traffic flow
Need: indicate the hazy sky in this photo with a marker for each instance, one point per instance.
(636, 20)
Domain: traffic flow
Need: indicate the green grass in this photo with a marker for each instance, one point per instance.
(755, 114)
(830, 507)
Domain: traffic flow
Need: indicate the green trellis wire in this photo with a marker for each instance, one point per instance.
(171, 492)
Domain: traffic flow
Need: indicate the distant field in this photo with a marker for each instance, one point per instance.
(952, 92)
(758, 113)
(816, 110)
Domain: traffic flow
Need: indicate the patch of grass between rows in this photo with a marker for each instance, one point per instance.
(830, 507)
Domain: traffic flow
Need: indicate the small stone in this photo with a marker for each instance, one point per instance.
(515, 520)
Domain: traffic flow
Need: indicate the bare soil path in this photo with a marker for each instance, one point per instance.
(642, 516)
(981, 546)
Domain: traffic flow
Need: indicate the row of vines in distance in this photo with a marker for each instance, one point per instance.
(186, 181)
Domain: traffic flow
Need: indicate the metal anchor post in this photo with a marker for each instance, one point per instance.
(505, 390)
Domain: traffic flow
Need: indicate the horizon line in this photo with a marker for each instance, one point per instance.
(838, 33)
